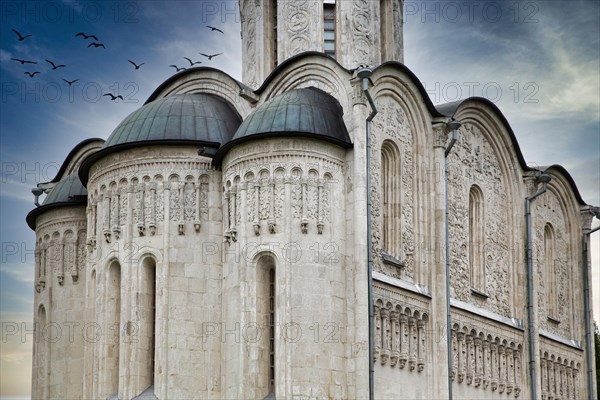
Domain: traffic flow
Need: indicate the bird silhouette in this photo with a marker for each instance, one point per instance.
(96, 45)
(85, 37)
(24, 61)
(31, 74)
(70, 82)
(113, 97)
(210, 56)
(212, 28)
(137, 66)
(54, 66)
(177, 68)
(192, 62)
(21, 37)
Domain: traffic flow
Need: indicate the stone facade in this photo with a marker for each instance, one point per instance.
(186, 274)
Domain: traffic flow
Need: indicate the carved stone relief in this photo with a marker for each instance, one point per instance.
(473, 162)
(548, 210)
(393, 126)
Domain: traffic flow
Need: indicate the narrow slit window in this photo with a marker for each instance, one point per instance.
(477, 239)
(329, 28)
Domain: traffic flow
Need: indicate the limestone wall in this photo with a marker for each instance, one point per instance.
(59, 319)
(155, 213)
(282, 198)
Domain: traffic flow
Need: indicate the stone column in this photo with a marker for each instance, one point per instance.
(395, 337)
(439, 370)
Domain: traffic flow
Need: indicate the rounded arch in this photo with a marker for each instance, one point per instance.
(147, 251)
(205, 80)
(305, 70)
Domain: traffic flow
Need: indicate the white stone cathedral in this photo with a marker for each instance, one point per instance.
(216, 245)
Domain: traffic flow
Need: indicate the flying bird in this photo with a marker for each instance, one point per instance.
(192, 62)
(96, 45)
(54, 66)
(31, 74)
(212, 29)
(113, 97)
(21, 37)
(177, 68)
(137, 66)
(24, 61)
(210, 56)
(85, 37)
(71, 82)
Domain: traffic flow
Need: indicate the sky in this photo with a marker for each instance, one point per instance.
(539, 61)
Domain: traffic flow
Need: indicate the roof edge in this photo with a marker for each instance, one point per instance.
(188, 71)
(32, 215)
(450, 110)
(72, 153)
(415, 80)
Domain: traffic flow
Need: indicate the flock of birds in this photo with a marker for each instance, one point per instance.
(96, 44)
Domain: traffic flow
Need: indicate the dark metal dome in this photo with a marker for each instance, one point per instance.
(308, 112)
(182, 117)
(67, 192)
(198, 119)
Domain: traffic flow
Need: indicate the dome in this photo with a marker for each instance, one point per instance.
(67, 192)
(308, 112)
(196, 119)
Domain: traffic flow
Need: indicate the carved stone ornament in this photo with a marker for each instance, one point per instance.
(304, 226)
(320, 226)
(181, 228)
(107, 235)
(197, 225)
(152, 228)
(41, 285)
(117, 232)
(256, 227)
(74, 275)
(227, 236)
(271, 226)
(141, 229)
(233, 233)
(61, 279)
(91, 244)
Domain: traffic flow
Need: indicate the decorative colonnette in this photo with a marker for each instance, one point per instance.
(139, 200)
(486, 360)
(60, 251)
(265, 198)
(559, 374)
(307, 171)
(401, 329)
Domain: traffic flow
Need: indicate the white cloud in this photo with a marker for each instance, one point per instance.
(16, 190)
(22, 272)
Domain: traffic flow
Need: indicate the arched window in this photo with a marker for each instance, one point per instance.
(390, 196)
(40, 354)
(266, 315)
(477, 239)
(94, 359)
(549, 273)
(113, 315)
(148, 321)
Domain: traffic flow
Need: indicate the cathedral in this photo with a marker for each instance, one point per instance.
(319, 230)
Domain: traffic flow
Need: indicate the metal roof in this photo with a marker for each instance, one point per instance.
(308, 112)
(195, 117)
(198, 119)
(67, 192)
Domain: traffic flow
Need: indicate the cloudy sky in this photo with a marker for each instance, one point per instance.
(537, 60)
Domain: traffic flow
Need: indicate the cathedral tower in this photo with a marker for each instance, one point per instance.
(353, 32)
